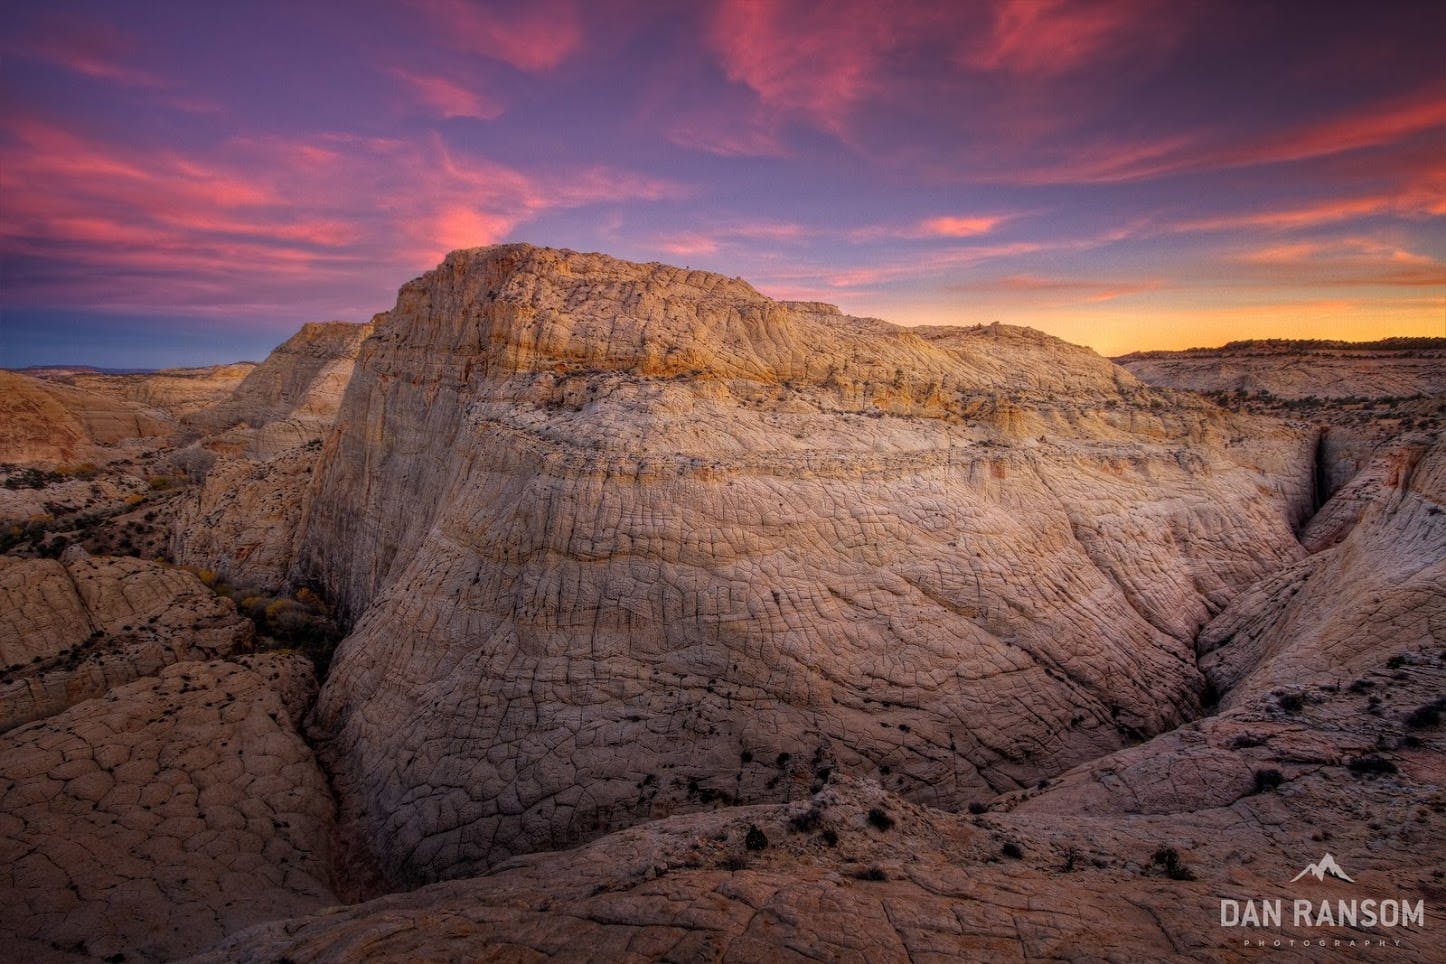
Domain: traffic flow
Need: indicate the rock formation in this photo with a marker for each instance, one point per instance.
(42, 423)
(815, 637)
(71, 631)
(175, 391)
(621, 536)
(148, 824)
(1123, 858)
(1359, 396)
(1382, 580)
(300, 382)
(243, 520)
(1394, 368)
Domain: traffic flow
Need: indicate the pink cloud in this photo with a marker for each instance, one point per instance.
(447, 98)
(535, 36)
(1116, 161)
(207, 221)
(815, 60)
(1046, 38)
(688, 245)
(94, 49)
(1372, 125)
(1342, 262)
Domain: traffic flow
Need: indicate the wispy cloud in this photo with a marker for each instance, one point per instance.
(262, 212)
(535, 37)
(448, 98)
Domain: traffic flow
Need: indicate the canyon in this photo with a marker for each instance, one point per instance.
(652, 618)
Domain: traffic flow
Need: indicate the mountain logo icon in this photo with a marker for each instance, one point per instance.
(1319, 869)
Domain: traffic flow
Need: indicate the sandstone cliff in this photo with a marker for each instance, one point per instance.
(1359, 396)
(619, 536)
(243, 520)
(301, 380)
(42, 423)
(1122, 858)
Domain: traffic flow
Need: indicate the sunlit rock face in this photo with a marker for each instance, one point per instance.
(43, 423)
(301, 380)
(623, 539)
(260, 449)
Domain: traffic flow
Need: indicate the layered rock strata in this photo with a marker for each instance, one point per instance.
(42, 423)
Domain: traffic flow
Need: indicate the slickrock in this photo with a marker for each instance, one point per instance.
(1124, 860)
(302, 379)
(174, 391)
(71, 631)
(243, 520)
(609, 526)
(1296, 370)
(42, 423)
(1383, 579)
(154, 821)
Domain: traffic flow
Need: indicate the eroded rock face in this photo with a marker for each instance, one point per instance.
(1126, 858)
(1360, 396)
(243, 521)
(1297, 370)
(1122, 858)
(171, 812)
(1380, 580)
(302, 379)
(174, 391)
(617, 533)
(71, 631)
(42, 423)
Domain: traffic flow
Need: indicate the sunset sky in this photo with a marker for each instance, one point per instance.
(188, 182)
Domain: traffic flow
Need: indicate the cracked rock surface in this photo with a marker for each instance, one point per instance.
(613, 531)
(243, 520)
(1321, 748)
(71, 630)
(155, 820)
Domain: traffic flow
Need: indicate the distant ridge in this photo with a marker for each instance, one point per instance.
(1273, 345)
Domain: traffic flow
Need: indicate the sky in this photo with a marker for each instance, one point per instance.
(189, 182)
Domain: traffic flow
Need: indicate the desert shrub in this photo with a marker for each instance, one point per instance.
(194, 463)
(829, 836)
(805, 822)
(880, 818)
(755, 839)
(1427, 715)
(1371, 766)
(1267, 780)
(1290, 702)
(977, 808)
(872, 873)
(1012, 850)
(1168, 860)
